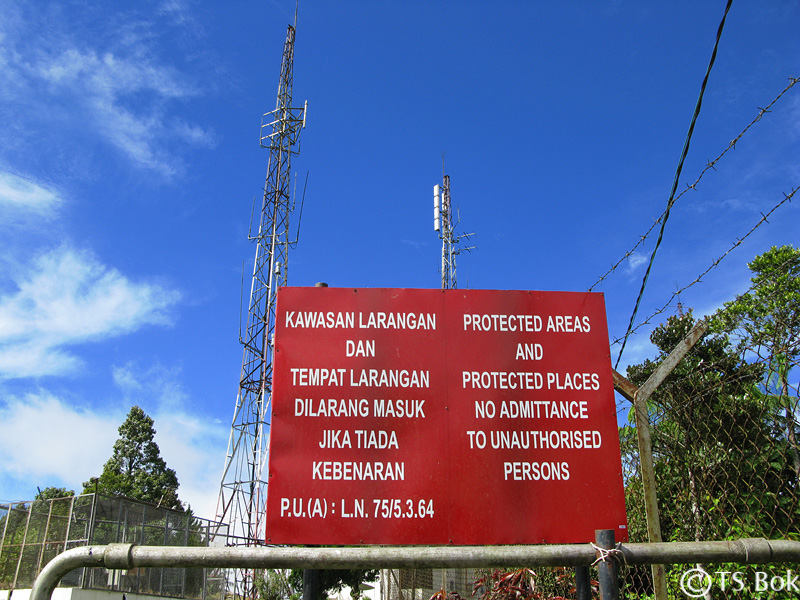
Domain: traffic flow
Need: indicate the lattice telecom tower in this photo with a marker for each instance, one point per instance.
(243, 491)
(444, 224)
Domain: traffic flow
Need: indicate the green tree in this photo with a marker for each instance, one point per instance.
(716, 457)
(766, 323)
(273, 584)
(136, 469)
(719, 459)
(333, 581)
(52, 493)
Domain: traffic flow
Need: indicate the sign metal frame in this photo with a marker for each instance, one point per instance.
(420, 416)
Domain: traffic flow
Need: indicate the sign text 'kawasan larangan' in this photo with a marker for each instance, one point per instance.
(408, 416)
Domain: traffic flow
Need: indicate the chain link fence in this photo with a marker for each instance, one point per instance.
(454, 584)
(421, 584)
(723, 434)
(33, 533)
(724, 456)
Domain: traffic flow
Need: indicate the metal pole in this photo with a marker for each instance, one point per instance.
(311, 584)
(129, 556)
(607, 567)
(69, 520)
(44, 537)
(90, 532)
(583, 585)
(22, 546)
(639, 398)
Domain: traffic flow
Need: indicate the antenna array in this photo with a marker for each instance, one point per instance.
(242, 498)
(444, 223)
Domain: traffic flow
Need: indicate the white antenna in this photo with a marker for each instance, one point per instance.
(436, 224)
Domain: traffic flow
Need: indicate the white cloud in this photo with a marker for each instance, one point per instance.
(24, 194)
(68, 297)
(110, 76)
(635, 261)
(30, 358)
(124, 98)
(112, 85)
(71, 444)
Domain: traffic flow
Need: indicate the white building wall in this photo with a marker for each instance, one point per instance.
(78, 594)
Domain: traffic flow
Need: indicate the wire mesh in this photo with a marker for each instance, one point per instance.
(33, 533)
(421, 584)
(723, 429)
(724, 447)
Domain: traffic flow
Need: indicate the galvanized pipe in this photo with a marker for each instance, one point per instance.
(51, 574)
(607, 571)
(129, 556)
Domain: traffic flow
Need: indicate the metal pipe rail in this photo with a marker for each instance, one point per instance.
(129, 556)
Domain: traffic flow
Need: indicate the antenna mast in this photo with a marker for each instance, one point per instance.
(243, 490)
(444, 223)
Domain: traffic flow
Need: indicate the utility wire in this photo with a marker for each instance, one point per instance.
(764, 219)
(710, 165)
(675, 181)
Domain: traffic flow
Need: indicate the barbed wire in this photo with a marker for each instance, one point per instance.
(764, 219)
(675, 181)
(710, 165)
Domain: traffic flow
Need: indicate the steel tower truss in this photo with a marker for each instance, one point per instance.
(242, 498)
(445, 224)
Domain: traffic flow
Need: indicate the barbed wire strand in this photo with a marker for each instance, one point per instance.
(675, 180)
(710, 165)
(764, 219)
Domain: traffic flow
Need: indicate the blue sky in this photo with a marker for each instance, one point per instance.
(129, 160)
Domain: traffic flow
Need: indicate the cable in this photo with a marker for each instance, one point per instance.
(710, 165)
(675, 181)
(786, 198)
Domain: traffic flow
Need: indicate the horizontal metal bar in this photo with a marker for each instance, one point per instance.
(129, 556)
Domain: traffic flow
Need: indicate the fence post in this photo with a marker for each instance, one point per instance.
(607, 566)
(22, 546)
(310, 584)
(638, 397)
(583, 585)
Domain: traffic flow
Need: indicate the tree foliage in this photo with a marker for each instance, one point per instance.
(766, 323)
(136, 469)
(52, 493)
(333, 581)
(724, 422)
(274, 584)
(705, 426)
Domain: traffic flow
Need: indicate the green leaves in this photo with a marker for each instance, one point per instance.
(723, 422)
(136, 469)
(766, 319)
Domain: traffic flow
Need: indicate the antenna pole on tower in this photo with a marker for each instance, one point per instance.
(241, 505)
(445, 225)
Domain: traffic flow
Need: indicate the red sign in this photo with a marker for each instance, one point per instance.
(406, 416)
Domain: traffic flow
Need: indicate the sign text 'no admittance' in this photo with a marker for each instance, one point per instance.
(405, 416)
